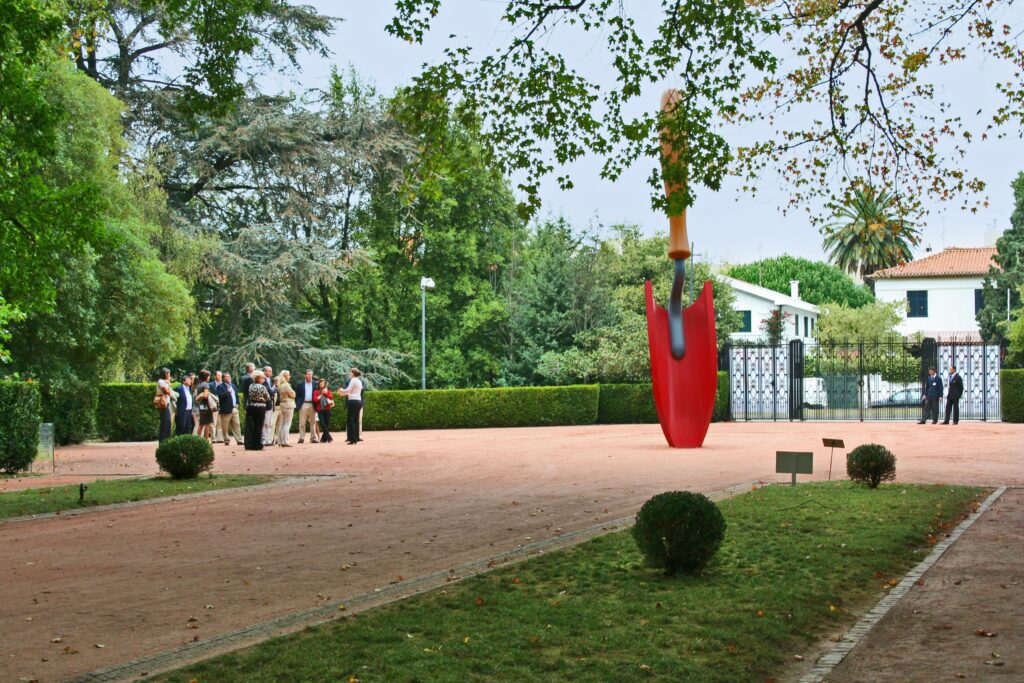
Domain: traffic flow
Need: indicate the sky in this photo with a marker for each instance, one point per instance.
(724, 226)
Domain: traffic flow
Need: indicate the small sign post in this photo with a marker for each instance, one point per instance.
(794, 462)
(833, 444)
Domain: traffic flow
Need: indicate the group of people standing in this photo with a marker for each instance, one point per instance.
(208, 406)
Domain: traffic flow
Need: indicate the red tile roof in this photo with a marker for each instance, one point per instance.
(951, 262)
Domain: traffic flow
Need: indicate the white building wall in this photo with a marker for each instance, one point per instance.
(760, 309)
(950, 302)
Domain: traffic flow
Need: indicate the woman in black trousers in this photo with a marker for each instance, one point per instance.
(354, 405)
(255, 411)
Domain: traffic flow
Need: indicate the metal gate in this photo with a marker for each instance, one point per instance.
(879, 380)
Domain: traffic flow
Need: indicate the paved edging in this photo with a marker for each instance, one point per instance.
(75, 512)
(831, 659)
(162, 662)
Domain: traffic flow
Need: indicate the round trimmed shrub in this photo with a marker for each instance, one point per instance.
(679, 531)
(184, 457)
(871, 464)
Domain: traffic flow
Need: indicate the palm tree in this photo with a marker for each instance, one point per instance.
(869, 234)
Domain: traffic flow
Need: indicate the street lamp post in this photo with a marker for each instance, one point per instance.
(425, 284)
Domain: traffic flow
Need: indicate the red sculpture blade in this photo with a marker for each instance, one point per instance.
(684, 389)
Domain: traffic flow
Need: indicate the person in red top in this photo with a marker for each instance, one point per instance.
(323, 402)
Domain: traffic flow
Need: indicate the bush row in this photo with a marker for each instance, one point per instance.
(1011, 390)
(19, 425)
(124, 412)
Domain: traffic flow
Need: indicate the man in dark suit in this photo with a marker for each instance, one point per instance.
(247, 379)
(931, 397)
(956, 390)
(185, 421)
(228, 397)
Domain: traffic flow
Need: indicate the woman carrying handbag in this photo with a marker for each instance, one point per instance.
(323, 403)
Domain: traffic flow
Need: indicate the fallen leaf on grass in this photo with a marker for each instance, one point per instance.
(341, 608)
(516, 580)
(760, 613)
(798, 658)
(353, 679)
(892, 582)
(534, 639)
(644, 667)
(835, 639)
(465, 641)
(479, 602)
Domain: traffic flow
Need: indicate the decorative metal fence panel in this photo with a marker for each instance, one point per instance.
(857, 380)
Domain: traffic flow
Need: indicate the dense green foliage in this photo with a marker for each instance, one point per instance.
(820, 283)
(1009, 275)
(449, 408)
(71, 407)
(1011, 394)
(19, 425)
(871, 464)
(679, 531)
(1015, 338)
(38, 501)
(741, 621)
(185, 457)
(124, 412)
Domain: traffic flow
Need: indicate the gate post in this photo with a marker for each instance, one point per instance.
(796, 379)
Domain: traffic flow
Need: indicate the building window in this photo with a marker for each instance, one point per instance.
(796, 326)
(917, 304)
(746, 321)
(805, 326)
(812, 325)
(979, 300)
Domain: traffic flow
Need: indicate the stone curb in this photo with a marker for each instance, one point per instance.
(162, 662)
(75, 512)
(831, 659)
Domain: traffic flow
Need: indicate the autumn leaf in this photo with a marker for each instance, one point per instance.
(760, 613)
(479, 602)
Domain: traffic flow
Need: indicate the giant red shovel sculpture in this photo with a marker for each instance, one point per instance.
(684, 359)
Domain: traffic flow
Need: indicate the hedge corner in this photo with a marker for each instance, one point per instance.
(1011, 389)
(19, 425)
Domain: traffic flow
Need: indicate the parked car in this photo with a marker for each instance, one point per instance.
(900, 399)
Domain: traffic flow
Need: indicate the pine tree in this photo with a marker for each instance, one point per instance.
(1008, 275)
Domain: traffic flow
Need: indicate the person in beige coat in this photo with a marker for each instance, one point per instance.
(286, 407)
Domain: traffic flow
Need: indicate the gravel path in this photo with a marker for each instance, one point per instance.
(143, 580)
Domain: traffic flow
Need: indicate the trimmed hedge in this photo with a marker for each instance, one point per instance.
(71, 407)
(19, 425)
(634, 403)
(462, 408)
(1011, 392)
(124, 412)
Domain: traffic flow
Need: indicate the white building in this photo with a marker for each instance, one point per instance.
(940, 294)
(756, 303)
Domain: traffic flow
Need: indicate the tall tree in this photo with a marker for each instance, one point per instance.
(848, 89)
(869, 233)
(46, 205)
(183, 57)
(1001, 287)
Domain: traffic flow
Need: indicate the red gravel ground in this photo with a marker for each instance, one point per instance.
(416, 502)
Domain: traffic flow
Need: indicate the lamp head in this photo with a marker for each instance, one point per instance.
(426, 283)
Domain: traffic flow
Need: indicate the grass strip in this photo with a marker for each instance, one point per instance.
(107, 491)
(794, 565)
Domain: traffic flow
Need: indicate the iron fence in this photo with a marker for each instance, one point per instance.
(875, 380)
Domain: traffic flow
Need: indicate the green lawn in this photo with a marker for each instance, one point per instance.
(106, 491)
(795, 563)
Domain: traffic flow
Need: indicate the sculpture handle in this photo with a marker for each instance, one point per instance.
(678, 241)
